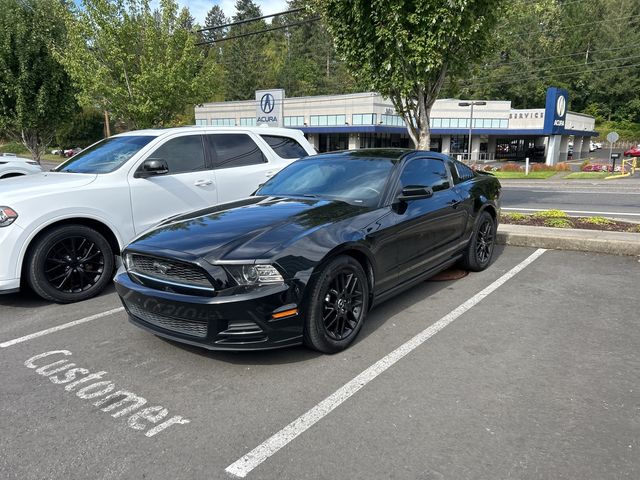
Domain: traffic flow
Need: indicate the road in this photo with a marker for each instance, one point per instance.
(521, 371)
(617, 199)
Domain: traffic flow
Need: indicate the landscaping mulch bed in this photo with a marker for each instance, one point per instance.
(586, 223)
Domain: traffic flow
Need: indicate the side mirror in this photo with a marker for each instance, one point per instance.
(152, 167)
(415, 192)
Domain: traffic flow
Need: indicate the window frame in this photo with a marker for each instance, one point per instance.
(286, 137)
(402, 166)
(151, 155)
(212, 154)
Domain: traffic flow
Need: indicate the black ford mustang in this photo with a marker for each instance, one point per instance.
(306, 257)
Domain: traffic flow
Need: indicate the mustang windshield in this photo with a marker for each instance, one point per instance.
(105, 156)
(358, 181)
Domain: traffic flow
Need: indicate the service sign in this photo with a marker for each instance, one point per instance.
(269, 107)
(556, 110)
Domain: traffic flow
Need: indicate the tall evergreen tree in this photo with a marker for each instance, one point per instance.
(243, 58)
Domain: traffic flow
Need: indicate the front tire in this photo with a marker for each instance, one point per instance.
(70, 263)
(479, 252)
(337, 305)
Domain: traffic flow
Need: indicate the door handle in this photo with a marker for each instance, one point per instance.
(454, 203)
(202, 183)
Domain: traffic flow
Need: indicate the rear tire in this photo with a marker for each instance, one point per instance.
(479, 252)
(70, 263)
(336, 306)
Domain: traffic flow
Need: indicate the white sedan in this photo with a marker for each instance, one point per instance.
(13, 166)
(61, 230)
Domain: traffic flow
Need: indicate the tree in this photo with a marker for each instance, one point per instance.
(35, 92)
(405, 49)
(215, 18)
(143, 66)
(243, 57)
(311, 65)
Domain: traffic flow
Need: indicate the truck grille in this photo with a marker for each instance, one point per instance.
(188, 327)
(169, 271)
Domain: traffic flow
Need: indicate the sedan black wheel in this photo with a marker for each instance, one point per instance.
(480, 249)
(337, 305)
(70, 263)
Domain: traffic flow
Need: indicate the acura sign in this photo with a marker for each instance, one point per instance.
(269, 107)
(556, 111)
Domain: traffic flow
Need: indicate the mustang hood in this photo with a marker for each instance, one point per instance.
(40, 184)
(245, 230)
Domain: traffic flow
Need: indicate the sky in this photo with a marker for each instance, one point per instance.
(199, 8)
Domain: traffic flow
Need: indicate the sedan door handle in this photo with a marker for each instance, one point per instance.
(454, 203)
(203, 183)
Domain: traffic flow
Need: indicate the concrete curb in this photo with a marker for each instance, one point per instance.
(615, 243)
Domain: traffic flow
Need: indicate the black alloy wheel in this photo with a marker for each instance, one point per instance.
(70, 263)
(485, 240)
(342, 306)
(73, 265)
(336, 306)
(479, 252)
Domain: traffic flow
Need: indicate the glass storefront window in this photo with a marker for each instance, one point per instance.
(363, 119)
(297, 121)
(248, 121)
(459, 143)
(394, 120)
(325, 120)
(223, 122)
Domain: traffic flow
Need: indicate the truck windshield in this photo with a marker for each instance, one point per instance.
(105, 156)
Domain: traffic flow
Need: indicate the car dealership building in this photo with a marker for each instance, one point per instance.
(365, 120)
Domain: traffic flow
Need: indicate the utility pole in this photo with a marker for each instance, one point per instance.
(107, 127)
(471, 104)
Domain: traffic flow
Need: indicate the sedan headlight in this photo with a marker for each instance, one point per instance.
(7, 216)
(254, 274)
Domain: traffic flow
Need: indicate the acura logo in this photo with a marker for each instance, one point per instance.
(161, 267)
(267, 103)
(561, 106)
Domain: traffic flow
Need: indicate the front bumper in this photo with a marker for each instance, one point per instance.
(12, 239)
(235, 322)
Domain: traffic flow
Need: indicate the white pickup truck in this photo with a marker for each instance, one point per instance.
(61, 230)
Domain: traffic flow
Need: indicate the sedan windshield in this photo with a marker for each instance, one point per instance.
(358, 181)
(105, 156)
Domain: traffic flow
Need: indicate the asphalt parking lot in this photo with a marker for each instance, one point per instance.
(532, 373)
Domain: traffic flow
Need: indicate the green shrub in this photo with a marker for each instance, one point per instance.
(598, 221)
(558, 223)
(514, 216)
(12, 147)
(550, 214)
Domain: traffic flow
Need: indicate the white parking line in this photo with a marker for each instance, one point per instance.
(571, 211)
(59, 327)
(243, 466)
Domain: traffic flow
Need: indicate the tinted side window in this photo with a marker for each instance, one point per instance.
(285, 147)
(426, 172)
(182, 154)
(234, 150)
(464, 173)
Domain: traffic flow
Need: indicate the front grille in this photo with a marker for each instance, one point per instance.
(188, 327)
(169, 271)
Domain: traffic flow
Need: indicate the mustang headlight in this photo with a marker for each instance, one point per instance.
(7, 216)
(254, 274)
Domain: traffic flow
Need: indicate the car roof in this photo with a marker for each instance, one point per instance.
(393, 154)
(157, 132)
